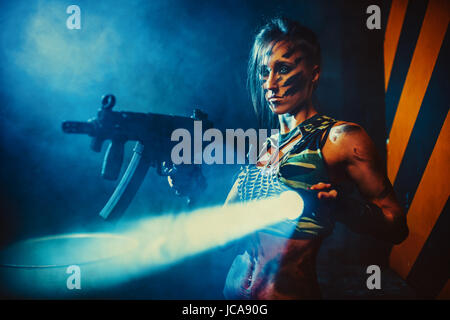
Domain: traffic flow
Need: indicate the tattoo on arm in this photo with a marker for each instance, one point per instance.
(347, 128)
(338, 130)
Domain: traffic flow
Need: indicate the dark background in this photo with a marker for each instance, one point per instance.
(166, 57)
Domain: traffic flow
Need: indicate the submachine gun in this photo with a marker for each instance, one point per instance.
(152, 133)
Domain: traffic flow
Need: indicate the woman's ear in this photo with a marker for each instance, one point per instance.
(315, 74)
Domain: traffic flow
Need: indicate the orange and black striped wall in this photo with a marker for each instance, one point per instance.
(416, 59)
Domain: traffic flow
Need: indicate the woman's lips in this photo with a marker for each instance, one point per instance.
(275, 100)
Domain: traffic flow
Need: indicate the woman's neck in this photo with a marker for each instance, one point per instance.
(290, 121)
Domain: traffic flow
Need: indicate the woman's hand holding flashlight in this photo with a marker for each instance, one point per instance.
(325, 191)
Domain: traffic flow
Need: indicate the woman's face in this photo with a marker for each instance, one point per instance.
(287, 79)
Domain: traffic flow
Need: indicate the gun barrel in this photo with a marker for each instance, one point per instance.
(78, 127)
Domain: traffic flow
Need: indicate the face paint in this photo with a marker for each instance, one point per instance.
(286, 78)
(291, 51)
(294, 84)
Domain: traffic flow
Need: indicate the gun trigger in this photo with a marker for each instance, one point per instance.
(164, 169)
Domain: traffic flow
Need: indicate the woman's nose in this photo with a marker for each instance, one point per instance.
(272, 83)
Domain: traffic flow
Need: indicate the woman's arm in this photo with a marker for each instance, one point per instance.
(350, 148)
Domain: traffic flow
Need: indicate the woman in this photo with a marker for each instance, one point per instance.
(312, 154)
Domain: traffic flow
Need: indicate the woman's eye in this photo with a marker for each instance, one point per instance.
(284, 69)
(264, 73)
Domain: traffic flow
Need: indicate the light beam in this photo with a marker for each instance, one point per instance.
(148, 245)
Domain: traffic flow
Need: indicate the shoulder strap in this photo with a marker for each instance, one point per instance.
(325, 136)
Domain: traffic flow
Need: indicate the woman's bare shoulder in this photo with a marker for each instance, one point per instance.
(343, 138)
(342, 128)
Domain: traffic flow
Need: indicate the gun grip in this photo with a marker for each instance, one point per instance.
(113, 160)
(96, 144)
